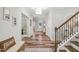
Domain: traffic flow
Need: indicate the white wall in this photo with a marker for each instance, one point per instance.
(58, 15)
(48, 21)
(6, 27)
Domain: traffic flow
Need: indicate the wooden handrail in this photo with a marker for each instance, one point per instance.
(66, 30)
(67, 20)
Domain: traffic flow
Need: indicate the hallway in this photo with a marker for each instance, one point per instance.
(41, 43)
(37, 29)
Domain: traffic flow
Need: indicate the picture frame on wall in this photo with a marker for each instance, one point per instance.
(14, 21)
(6, 13)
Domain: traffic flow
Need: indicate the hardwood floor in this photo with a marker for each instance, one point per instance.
(39, 50)
(42, 43)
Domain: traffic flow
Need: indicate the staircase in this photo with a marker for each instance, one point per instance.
(65, 35)
(73, 47)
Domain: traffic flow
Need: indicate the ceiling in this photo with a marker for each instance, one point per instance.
(44, 14)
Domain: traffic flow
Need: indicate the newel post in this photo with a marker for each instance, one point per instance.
(55, 39)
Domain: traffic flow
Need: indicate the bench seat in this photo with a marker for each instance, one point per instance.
(17, 47)
(9, 45)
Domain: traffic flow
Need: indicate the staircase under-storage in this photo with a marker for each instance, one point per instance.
(66, 35)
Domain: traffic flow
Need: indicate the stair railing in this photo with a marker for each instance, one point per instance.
(66, 30)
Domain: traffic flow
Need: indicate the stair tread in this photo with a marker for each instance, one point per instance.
(76, 43)
(62, 50)
(70, 48)
(76, 37)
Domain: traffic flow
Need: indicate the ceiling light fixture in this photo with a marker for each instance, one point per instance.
(38, 10)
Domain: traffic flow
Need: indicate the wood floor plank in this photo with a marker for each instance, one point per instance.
(62, 50)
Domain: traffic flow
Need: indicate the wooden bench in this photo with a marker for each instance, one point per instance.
(17, 48)
(9, 45)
